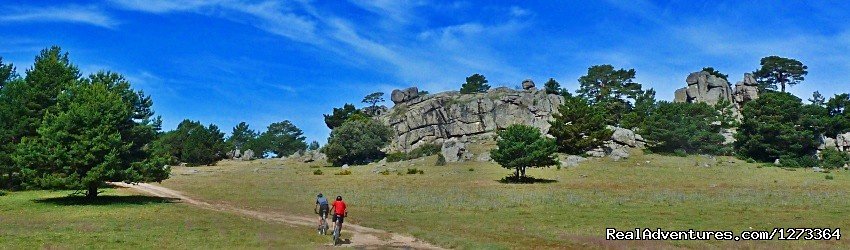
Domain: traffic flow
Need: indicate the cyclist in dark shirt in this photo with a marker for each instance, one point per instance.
(322, 208)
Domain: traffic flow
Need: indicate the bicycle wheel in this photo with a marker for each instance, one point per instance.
(336, 233)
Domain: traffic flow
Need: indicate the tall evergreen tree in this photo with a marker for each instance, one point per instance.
(779, 126)
(817, 99)
(475, 83)
(552, 87)
(284, 138)
(241, 136)
(614, 90)
(779, 71)
(340, 115)
(88, 139)
(578, 126)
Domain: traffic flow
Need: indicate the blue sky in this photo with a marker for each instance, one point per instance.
(226, 61)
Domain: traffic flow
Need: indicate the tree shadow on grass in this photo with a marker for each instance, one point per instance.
(105, 200)
(524, 180)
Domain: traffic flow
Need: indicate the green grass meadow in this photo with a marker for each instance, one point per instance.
(120, 219)
(462, 205)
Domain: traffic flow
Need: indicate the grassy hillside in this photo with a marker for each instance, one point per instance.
(124, 220)
(463, 205)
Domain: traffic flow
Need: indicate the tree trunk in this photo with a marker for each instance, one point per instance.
(516, 173)
(92, 191)
(523, 172)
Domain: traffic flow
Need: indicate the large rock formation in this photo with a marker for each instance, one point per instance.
(707, 88)
(704, 87)
(746, 90)
(434, 118)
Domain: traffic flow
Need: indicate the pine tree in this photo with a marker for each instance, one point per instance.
(475, 83)
(579, 126)
(522, 146)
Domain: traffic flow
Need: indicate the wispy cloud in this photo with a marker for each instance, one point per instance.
(90, 15)
(430, 59)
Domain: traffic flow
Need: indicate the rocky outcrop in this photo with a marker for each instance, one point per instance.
(842, 142)
(455, 151)
(707, 88)
(435, 118)
(404, 95)
(308, 156)
(618, 147)
(248, 155)
(704, 87)
(528, 84)
(746, 90)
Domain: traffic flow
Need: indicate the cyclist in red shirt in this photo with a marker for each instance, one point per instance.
(340, 212)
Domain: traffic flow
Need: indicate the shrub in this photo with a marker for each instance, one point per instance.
(798, 162)
(471, 169)
(396, 156)
(441, 160)
(832, 158)
(344, 172)
(385, 172)
(315, 166)
(2, 193)
(415, 171)
(421, 151)
(829, 177)
(317, 172)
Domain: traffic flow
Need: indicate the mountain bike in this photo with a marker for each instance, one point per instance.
(336, 232)
(323, 227)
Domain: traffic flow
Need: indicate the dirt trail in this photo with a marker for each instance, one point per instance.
(362, 237)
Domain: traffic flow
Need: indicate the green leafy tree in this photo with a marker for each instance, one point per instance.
(313, 146)
(716, 73)
(357, 142)
(23, 102)
(817, 99)
(690, 127)
(552, 87)
(644, 106)
(779, 71)
(579, 126)
(374, 98)
(192, 143)
(612, 89)
(241, 136)
(778, 126)
(475, 83)
(87, 140)
(522, 146)
(832, 158)
(284, 138)
(7, 73)
(50, 75)
(340, 115)
(837, 120)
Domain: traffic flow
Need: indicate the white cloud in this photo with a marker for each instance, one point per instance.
(70, 13)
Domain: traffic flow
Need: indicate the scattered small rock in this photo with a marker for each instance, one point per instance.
(817, 169)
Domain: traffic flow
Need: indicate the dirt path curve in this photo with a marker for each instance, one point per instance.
(362, 237)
